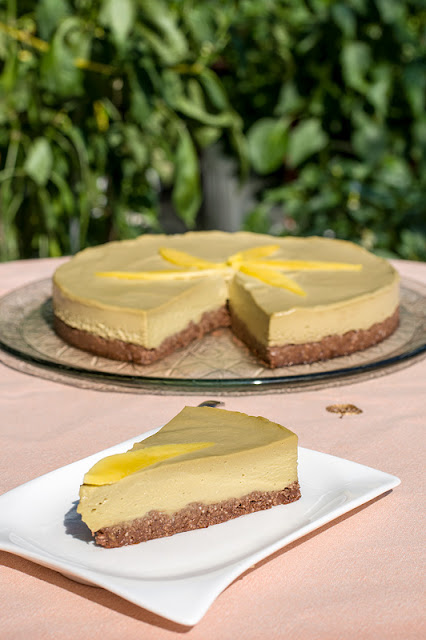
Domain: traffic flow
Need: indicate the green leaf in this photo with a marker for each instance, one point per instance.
(419, 136)
(369, 139)
(186, 193)
(414, 79)
(65, 193)
(289, 100)
(9, 71)
(394, 173)
(49, 14)
(267, 143)
(344, 18)
(360, 6)
(356, 62)
(239, 143)
(413, 245)
(4, 41)
(58, 71)
(379, 91)
(391, 10)
(258, 220)
(305, 139)
(191, 110)
(119, 16)
(39, 161)
(172, 86)
(12, 208)
(206, 136)
(47, 211)
(136, 144)
(214, 89)
(308, 43)
(139, 105)
(195, 93)
(170, 41)
(54, 248)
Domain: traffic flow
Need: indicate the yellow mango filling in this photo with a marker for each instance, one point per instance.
(251, 262)
(113, 468)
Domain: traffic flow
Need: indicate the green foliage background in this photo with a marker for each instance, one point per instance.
(106, 107)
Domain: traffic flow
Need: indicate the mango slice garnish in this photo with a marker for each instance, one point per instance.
(308, 265)
(113, 468)
(271, 276)
(183, 259)
(249, 261)
(255, 253)
(176, 274)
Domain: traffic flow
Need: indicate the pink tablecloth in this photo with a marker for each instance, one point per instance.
(360, 577)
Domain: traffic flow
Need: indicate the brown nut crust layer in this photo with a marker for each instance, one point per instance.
(328, 347)
(120, 350)
(157, 524)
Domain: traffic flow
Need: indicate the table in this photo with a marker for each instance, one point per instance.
(358, 577)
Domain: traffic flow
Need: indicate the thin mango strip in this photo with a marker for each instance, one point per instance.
(113, 468)
(256, 253)
(307, 265)
(182, 259)
(159, 275)
(273, 277)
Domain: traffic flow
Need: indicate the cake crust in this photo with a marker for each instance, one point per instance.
(157, 524)
(329, 347)
(128, 352)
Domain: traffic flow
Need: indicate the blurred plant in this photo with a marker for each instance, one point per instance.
(105, 107)
(336, 118)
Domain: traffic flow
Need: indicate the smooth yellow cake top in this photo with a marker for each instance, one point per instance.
(79, 277)
(254, 262)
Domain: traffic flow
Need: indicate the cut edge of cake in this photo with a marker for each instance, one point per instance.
(130, 352)
(332, 346)
(196, 515)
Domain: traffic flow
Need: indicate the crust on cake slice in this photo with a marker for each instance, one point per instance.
(129, 352)
(329, 347)
(196, 515)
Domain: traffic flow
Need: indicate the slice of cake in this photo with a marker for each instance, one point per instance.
(291, 300)
(204, 467)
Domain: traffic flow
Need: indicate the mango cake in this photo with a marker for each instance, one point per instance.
(204, 467)
(291, 300)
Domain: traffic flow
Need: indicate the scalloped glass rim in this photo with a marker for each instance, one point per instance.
(413, 311)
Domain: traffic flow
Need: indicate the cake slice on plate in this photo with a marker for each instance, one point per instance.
(204, 467)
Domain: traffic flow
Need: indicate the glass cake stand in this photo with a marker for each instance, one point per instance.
(217, 362)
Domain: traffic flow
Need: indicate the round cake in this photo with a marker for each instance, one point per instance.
(290, 300)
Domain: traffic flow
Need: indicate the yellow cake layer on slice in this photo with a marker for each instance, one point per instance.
(205, 466)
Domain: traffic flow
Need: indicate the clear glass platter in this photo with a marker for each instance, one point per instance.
(216, 362)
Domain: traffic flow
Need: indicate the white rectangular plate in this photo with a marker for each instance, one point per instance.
(177, 577)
